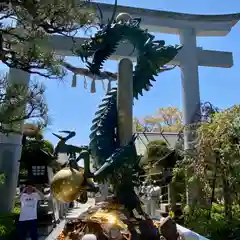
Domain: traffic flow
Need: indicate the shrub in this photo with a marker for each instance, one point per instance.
(214, 226)
(8, 223)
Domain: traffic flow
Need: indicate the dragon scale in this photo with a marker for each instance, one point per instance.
(152, 56)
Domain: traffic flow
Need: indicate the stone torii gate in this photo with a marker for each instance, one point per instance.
(187, 26)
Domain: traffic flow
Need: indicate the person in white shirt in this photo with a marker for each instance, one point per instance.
(29, 198)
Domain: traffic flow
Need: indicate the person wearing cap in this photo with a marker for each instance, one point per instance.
(29, 198)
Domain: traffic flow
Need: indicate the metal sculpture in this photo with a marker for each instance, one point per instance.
(62, 147)
(115, 163)
(153, 55)
(71, 182)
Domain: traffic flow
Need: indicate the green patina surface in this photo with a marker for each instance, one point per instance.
(116, 163)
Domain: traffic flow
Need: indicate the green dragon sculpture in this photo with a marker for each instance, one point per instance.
(116, 163)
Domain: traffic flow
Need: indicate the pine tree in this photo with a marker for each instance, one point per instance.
(24, 25)
(25, 28)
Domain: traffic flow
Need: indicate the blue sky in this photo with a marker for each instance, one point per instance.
(74, 108)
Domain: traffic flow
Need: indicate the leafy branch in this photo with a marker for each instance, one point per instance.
(25, 25)
(19, 103)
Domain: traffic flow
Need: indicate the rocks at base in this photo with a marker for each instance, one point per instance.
(109, 221)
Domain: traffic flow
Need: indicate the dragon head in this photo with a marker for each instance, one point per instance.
(90, 46)
(98, 41)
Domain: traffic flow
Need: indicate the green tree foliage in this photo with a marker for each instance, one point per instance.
(216, 227)
(34, 141)
(20, 103)
(164, 120)
(160, 161)
(158, 157)
(215, 168)
(25, 31)
(36, 20)
(25, 28)
(32, 147)
(138, 126)
(219, 152)
(2, 178)
(155, 150)
(170, 119)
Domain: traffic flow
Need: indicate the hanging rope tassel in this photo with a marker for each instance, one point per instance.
(85, 83)
(103, 86)
(74, 81)
(93, 86)
(109, 86)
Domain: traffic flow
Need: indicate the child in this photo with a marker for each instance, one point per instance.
(29, 198)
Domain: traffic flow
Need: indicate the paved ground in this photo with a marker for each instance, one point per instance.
(72, 214)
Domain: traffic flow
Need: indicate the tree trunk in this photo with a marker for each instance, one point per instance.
(192, 191)
(227, 199)
(172, 195)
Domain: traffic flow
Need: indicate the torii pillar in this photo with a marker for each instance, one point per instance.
(190, 82)
(10, 152)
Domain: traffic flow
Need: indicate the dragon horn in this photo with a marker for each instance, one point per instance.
(113, 15)
(68, 132)
(58, 136)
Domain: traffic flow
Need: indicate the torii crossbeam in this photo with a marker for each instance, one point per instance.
(188, 27)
